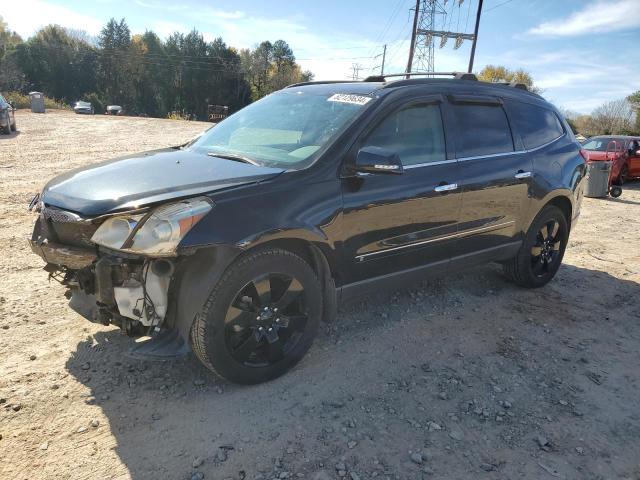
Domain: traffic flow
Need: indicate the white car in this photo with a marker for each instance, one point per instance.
(114, 110)
(83, 107)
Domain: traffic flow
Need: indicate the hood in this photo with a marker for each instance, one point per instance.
(145, 178)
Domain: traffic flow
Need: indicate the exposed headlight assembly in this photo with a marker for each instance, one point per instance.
(156, 233)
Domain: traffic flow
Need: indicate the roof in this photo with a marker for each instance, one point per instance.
(625, 137)
(358, 88)
(457, 82)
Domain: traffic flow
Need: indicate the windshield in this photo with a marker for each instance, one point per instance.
(601, 144)
(284, 129)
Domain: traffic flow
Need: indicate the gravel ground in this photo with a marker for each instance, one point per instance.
(465, 377)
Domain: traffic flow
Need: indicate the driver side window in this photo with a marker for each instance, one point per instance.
(415, 133)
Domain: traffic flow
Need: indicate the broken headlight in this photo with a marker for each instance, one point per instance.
(156, 233)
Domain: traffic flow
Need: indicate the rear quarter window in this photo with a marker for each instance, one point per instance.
(482, 130)
(536, 125)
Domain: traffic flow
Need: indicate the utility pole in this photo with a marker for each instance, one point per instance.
(475, 37)
(414, 33)
(384, 57)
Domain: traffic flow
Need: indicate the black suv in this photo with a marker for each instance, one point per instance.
(240, 242)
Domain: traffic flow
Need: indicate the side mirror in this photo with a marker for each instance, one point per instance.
(377, 160)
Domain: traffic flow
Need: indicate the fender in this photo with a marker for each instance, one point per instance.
(307, 234)
(193, 281)
(199, 272)
(567, 187)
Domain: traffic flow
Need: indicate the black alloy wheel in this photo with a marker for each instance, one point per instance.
(540, 255)
(546, 250)
(261, 317)
(265, 320)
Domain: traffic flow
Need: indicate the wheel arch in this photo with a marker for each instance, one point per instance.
(560, 199)
(565, 205)
(199, 272)
(319, 255)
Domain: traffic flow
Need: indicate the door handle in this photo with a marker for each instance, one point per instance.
(522, 174)
(447, 187)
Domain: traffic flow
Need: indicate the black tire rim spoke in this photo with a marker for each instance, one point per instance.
(237, 318)
(246, 348)
(289, 295)
(265, 320)
(546, 248)
(262, 286)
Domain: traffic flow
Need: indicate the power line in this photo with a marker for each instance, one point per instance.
(201, 59)
(466, 23)
(398, 47)
(396, 10)
(497, 6)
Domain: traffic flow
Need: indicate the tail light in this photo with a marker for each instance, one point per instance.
(584, 154)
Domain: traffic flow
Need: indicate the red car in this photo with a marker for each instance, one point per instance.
(624, 151)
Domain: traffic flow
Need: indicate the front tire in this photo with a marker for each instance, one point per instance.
(542, 250)
(260, 319)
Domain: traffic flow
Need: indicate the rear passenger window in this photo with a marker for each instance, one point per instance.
(482, 130)
(414, 133)
(536, 125)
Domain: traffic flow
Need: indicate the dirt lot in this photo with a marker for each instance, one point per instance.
(468, 377)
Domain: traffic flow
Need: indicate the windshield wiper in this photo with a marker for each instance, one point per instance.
(234, 157)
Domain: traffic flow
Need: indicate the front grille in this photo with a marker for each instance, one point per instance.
(68, 228)
(57, 215)
(78, 234)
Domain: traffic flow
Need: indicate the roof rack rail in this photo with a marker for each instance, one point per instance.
(320, 82)
(521, 86)
(456, 75)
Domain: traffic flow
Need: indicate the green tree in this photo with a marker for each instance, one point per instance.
(144, 74)
(11, 77)
(499, 74)
(114, 41)
(270, 67)
(58, 64)
(634, 100)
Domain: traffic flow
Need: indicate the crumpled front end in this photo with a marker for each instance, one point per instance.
(107, 287)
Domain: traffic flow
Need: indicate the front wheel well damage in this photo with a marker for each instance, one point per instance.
(198, 275)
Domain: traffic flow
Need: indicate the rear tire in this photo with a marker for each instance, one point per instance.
(260, 319)
(542, 250)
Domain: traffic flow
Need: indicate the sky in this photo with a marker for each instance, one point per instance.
(582, 53)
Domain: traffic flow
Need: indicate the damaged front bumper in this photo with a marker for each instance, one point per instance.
(129, 291)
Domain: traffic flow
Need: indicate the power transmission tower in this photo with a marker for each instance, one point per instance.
(422, 49)
(356, 67)
(384, 59)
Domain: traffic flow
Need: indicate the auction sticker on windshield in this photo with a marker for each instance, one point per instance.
(346, 98)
